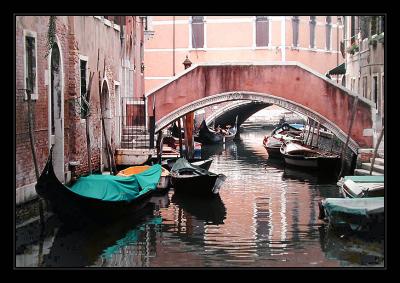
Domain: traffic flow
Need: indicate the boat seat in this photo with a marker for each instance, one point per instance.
(353, 187)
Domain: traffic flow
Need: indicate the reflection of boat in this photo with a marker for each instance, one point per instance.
(208, 209)
(294, 173)
(160, 201)
(191, 179)
(209, 136)
(83, 247)
(283, 133)
(358, 214)
(162, 185)
(362, 186)
(101, 198)
(305, 157)
(352, 248)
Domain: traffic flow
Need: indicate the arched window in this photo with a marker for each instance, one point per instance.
(295, 29)
(328, 32)
(197, 31)
(262, 31)
(313, 23)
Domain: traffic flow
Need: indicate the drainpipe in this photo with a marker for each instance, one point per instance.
(283, 38)
(173, 47)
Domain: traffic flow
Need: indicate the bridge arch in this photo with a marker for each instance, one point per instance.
(261, 97)
(289, 85)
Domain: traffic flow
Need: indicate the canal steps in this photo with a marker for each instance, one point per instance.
(379, 167)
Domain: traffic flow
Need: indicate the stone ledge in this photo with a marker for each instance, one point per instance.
(25, 194)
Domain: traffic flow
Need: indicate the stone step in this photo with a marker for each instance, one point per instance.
(135, 144)
(363, 172)
(378, 161)
(377, 168)
(133, 130)
(138, 137)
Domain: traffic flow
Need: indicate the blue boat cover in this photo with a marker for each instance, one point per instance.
(118, 188)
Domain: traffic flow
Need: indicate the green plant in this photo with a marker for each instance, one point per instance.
(51, 34)
(353, 49)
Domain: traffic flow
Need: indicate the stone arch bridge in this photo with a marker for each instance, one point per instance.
(290, 85)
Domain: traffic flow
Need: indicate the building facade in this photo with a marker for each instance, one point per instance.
(364, 47)
(312, 41)
(55, 58)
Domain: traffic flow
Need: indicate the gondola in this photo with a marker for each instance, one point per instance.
(191, 179)
(305, 157)
(209, 136)
(97, 198)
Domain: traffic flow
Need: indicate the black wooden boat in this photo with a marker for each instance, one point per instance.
(75, 209)
(209, 136)
(191, 179)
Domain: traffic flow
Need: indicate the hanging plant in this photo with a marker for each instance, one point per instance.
(51, 34)
(353, 49)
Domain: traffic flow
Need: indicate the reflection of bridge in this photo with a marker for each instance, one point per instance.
(289, 85)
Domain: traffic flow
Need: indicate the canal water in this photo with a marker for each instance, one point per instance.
(266, 216)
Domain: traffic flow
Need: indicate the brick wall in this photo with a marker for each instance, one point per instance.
(75, 36)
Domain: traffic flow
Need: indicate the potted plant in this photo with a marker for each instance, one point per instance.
(353, 49)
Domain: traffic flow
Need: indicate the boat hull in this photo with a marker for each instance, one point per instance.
(198, 185)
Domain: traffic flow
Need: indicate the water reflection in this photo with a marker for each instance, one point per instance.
(82, 247)
(265, 216)
(211, 210)
(352, 249)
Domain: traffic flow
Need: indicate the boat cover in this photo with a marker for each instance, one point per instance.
(118, 188)
(354, 206)
(366, 179)
(182, 163)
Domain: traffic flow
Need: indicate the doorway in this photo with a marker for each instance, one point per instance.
(56, 115)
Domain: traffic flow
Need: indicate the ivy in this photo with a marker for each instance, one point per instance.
(51, 34)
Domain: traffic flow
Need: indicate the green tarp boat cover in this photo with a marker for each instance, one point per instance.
(118, 188)
(354, 206)
(182, 163)
(366, 179)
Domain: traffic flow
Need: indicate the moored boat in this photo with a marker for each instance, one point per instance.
(358, 214)
(283, 133)
(202, 163)
(362, 186)
(191, 179)
(99, 198)
(209, 136)
(305, 157)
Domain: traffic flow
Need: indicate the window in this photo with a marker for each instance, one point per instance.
(328, 32)
(30, 81)
(352, 84)
(375, 90)
(197, 31)
(262, 31)
(295, 29)
(374, 25)
(84, 102)
(365, 88)
(353, 29)
(312, 31)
